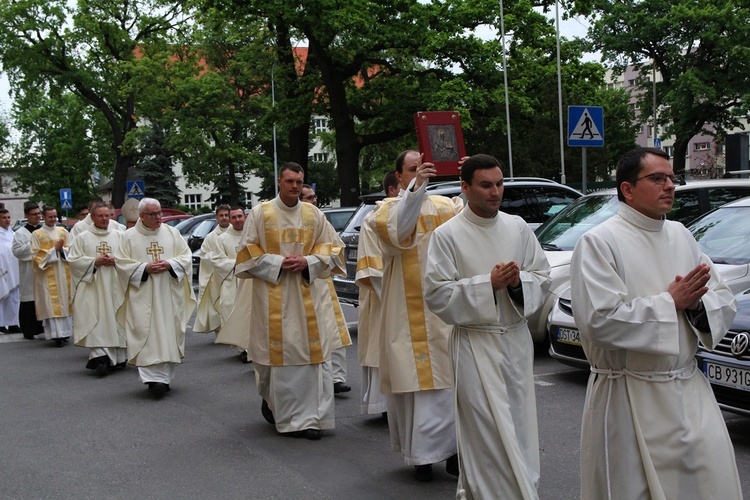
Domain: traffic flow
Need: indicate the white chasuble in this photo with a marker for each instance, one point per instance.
(291, 323)
(413, 351)
(52, 290)
(651, 426)
(157, 307)
(208, 316)
(223, 258)
(97, 294)
(491, 349)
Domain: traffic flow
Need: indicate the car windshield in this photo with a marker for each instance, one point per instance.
(563, 230)
(204, 228)
(185, 225)
(359, 216)
(338, 219)
(724, 235)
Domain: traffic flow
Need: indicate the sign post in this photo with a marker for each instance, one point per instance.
(585, 129)
(66, 200)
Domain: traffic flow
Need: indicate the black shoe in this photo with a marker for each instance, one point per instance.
(14, 329)
(451, 465)
(4, 330)
(102, 369)
(267, 413)
(243, 357)
(122, 365)
(158, 389)
(312, 434)
(340, 387)
(423, 473)
(58, 342)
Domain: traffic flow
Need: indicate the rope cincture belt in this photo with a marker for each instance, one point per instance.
(683, 373)
(495, 330)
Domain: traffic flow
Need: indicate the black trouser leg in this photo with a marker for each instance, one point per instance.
(30, 326)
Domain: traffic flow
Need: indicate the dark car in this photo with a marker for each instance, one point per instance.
(187, 226)
(727, 367)
(533, 199)
(339, 216)
(199, 233)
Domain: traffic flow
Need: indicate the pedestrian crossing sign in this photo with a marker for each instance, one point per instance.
(135, 189)
(66, 199)
(585, 126)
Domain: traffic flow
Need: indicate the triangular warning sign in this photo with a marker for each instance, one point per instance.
(135, 191)
(586, 129)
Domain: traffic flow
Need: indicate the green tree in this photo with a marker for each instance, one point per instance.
(699, 47)
(57, 147)
(157, 169)
(92, 48)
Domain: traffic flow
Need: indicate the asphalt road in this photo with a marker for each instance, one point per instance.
(64, 433)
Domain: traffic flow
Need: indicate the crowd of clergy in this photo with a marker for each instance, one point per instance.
(446, 286)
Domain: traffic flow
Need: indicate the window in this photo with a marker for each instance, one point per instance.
(632, 82)
(248, 199)
(701, 146)
(320, 125)
(193, 201)
(669, 150)
(320, 157)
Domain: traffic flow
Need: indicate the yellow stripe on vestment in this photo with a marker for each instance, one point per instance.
(313, 333)
(381, 222)
(340, 322)
(415, 312)
(370, 262)
(322, 249)
(307, 211)
(275, 291)
(248, 252)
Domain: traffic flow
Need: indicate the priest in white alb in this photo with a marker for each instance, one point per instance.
(644, 295)
(414, 365)
(52, 290)
(10, 296)
(485, 274)
(87, 222)
(30, 325)
(285, 247)
(97, 293)
(154, 265)
(208, 318)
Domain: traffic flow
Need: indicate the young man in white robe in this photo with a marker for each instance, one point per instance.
(485, 274)
(97, 293)
(10, 294)
(338, 356)
(30, 325)
(414, 364)
(52, 288)
(208, 316)
(223, 260)
(370, 311)
(154, 265)
(285, 247)
(644, 295)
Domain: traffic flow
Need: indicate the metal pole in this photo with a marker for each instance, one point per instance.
(583, 170)
(653, 73)
(275, 159)
(559, 95)
(505, 81)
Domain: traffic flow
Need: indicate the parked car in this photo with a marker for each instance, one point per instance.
(727, 367)
(199, 233)
(339, 216)
(533, 199)
(187, 226)
(723, 234)
(173, 220)
(166, 212)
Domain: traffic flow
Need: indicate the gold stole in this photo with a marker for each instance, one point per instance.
(413, 284)
(47, 245)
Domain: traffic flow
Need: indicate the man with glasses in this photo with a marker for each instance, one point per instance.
(154, 264)
(30, 325)
(52, 290)
(643, 296)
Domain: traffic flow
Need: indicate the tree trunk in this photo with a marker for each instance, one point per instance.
(348, 148)
(119, 180)
(678, 160)
(299, 141)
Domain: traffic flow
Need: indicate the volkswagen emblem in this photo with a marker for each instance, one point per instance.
(740, 344)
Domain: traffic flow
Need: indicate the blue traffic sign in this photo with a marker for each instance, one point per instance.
(66, 199)
(135, 189)
(657, 143)
(585, 126)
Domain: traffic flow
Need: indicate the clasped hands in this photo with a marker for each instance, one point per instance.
(294, 263)
(158, 266)
(505, 274)
(686, 291)
(105, 260)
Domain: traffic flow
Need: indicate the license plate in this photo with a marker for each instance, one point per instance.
(728, 376)
(569, 336)
(351, 255)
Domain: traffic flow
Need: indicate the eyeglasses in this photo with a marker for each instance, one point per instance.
(659, 178)
(310, 197)
(152, 214)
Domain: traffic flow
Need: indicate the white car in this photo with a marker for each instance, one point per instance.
(723, 234)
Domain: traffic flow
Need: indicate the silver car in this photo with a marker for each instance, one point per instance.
(723, 234)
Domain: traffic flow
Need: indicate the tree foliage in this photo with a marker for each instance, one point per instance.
(92, 48)
(157, 168)
(699, 47)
